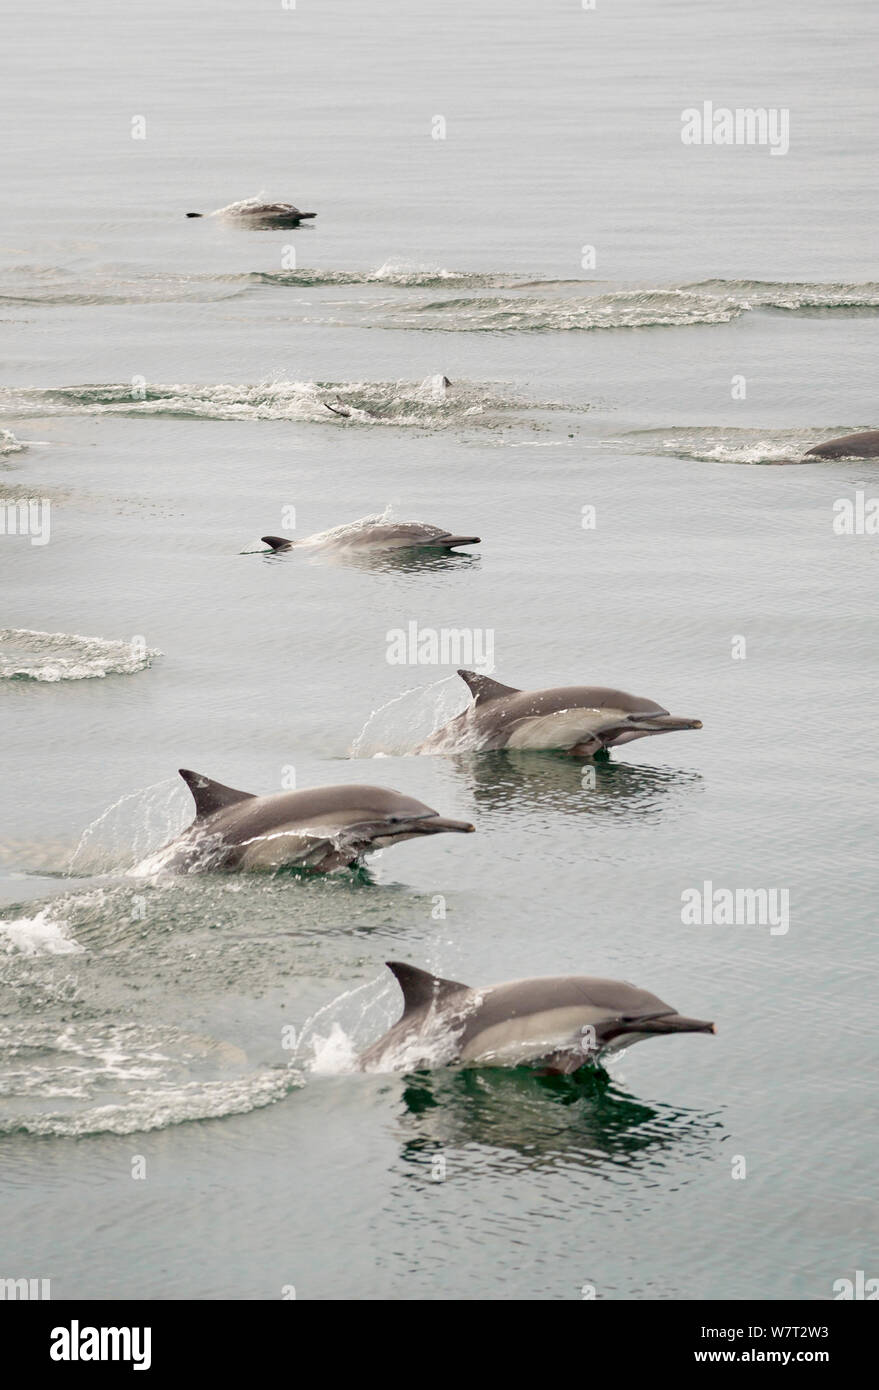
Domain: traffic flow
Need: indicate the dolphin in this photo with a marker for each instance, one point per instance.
(392, 535)
(321, 828)
(581, 719)
(264, 214)
(860, 446)
(558, 1024)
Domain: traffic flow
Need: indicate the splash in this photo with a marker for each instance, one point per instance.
(134, 826)
(386, 403)
(340, 535)
(330, 1039)
(28, 654)
(9, 444)
(719, 444)
(43, 934)
(402, 723)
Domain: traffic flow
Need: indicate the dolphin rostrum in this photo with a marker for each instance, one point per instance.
(321, 828)
(581, 719)
(861, 446)
(558, 1024)
(376, 536)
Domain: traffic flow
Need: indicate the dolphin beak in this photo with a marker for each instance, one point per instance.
(673, 1023)
(665, 723)
(435, 825)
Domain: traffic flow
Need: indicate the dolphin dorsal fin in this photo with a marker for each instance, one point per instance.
(277, 542)
(420, 987)
(210, 796)
(483, 688)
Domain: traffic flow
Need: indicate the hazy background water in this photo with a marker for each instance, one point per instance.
(168, 379)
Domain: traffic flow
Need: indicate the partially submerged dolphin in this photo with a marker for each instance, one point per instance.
(581, 719)
(388, 535)
(322, 828)
(558, 1024)
(267, 214)
(433, 388)
(862, 446)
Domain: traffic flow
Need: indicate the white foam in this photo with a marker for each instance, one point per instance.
(9, 444)
(333, 1053)
(388, 403)
(29, 654)
(43, 934)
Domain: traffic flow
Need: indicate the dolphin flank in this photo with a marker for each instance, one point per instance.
(579, 719)
(321, 828)
(558, 1024)
(378, 536)
(255, 211)
(861, 446)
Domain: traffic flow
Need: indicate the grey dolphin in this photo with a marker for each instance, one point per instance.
(321, 828)
(559, 1023)
(393, 535)
(862, 446)
(580, 719)
(266, 214)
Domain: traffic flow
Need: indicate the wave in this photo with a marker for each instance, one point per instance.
(401, 277)
(110, 285)
(722, 444)
(124, 1078)
(794, 295)
(710, 302)
(118, 285)
(26, 654)
(540, 314)
(531, 304)
(424, 404)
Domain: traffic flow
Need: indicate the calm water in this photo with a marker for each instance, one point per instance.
(163, 385)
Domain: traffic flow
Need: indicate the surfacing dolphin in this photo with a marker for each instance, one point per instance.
(376, 536)
(434, 388)
(558, 1024)
(322, 828)
(257, 212)
(579, 719)
(859, 446)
